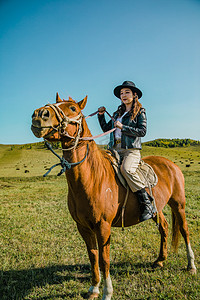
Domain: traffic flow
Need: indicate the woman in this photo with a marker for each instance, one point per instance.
(130, 123)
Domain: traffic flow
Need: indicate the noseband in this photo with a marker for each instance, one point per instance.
(63, 122)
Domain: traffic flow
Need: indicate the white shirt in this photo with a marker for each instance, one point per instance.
(118, 132)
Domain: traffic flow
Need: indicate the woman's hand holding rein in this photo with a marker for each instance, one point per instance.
(101, 110)
(118, 124)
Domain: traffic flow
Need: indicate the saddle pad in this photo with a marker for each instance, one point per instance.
(145, 172)
(116, 167)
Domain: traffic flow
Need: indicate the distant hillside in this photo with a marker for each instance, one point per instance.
(171, 143)
(165, 143)
(39, 145)
(30, 160)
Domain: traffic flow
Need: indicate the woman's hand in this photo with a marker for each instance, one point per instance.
(118, 124)
(101, 110)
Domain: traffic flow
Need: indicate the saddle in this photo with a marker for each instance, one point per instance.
(145, 171)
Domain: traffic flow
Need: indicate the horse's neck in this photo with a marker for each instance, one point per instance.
(89, 174)
(94, 160)
(93, 169)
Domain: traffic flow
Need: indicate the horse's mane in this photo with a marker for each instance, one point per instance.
(101, 158)
(99, 161)
(100, 165)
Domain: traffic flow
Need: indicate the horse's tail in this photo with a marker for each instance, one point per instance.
(175, 232)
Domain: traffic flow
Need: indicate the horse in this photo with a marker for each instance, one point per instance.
(96, 196)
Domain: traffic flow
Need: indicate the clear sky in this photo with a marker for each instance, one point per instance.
(88, 47)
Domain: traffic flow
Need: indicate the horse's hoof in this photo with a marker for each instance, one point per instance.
(92, 296)
(158, 264)
(192, 271)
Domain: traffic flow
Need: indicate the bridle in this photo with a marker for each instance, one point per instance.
(63, 122)
(60, 128)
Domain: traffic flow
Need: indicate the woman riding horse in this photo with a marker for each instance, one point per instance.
(130, 122)
(96, 196)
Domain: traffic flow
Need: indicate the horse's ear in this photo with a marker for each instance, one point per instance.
(58, 99)
(82, 103)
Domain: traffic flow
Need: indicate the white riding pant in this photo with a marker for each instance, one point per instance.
(130, 163)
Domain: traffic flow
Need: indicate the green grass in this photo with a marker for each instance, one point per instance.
(26, 162)
(43, 256)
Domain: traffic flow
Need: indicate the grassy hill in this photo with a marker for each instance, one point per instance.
(25, 160)
(34, 159)
(43, 256)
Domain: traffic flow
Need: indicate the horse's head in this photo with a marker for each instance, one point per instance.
(51, 120)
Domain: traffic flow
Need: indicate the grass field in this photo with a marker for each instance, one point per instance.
(43, 257)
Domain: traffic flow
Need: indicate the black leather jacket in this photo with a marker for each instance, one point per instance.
(132, 130)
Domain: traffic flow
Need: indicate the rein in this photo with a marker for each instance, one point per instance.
(90, 138)
(63, 162)
(64, 121)
(96, 112)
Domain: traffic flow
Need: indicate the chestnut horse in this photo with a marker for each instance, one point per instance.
(95, 195)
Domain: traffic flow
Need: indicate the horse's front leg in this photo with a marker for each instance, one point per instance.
(103, 237)
(91, 243)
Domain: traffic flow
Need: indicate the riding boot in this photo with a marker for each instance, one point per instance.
(146, 208)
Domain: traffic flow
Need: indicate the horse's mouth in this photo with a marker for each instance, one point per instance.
(39, 131)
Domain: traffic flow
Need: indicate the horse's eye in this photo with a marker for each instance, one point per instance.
(73, 108)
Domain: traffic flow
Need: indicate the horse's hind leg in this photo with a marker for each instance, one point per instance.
(163, 228)
(179, 214)
(91, 243)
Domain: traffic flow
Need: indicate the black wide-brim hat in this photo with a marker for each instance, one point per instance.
(127, 84)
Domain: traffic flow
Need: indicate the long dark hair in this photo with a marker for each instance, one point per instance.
(135, 109)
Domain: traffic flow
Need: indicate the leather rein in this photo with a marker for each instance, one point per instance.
(64, 121)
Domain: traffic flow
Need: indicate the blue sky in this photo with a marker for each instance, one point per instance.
(87, 47)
